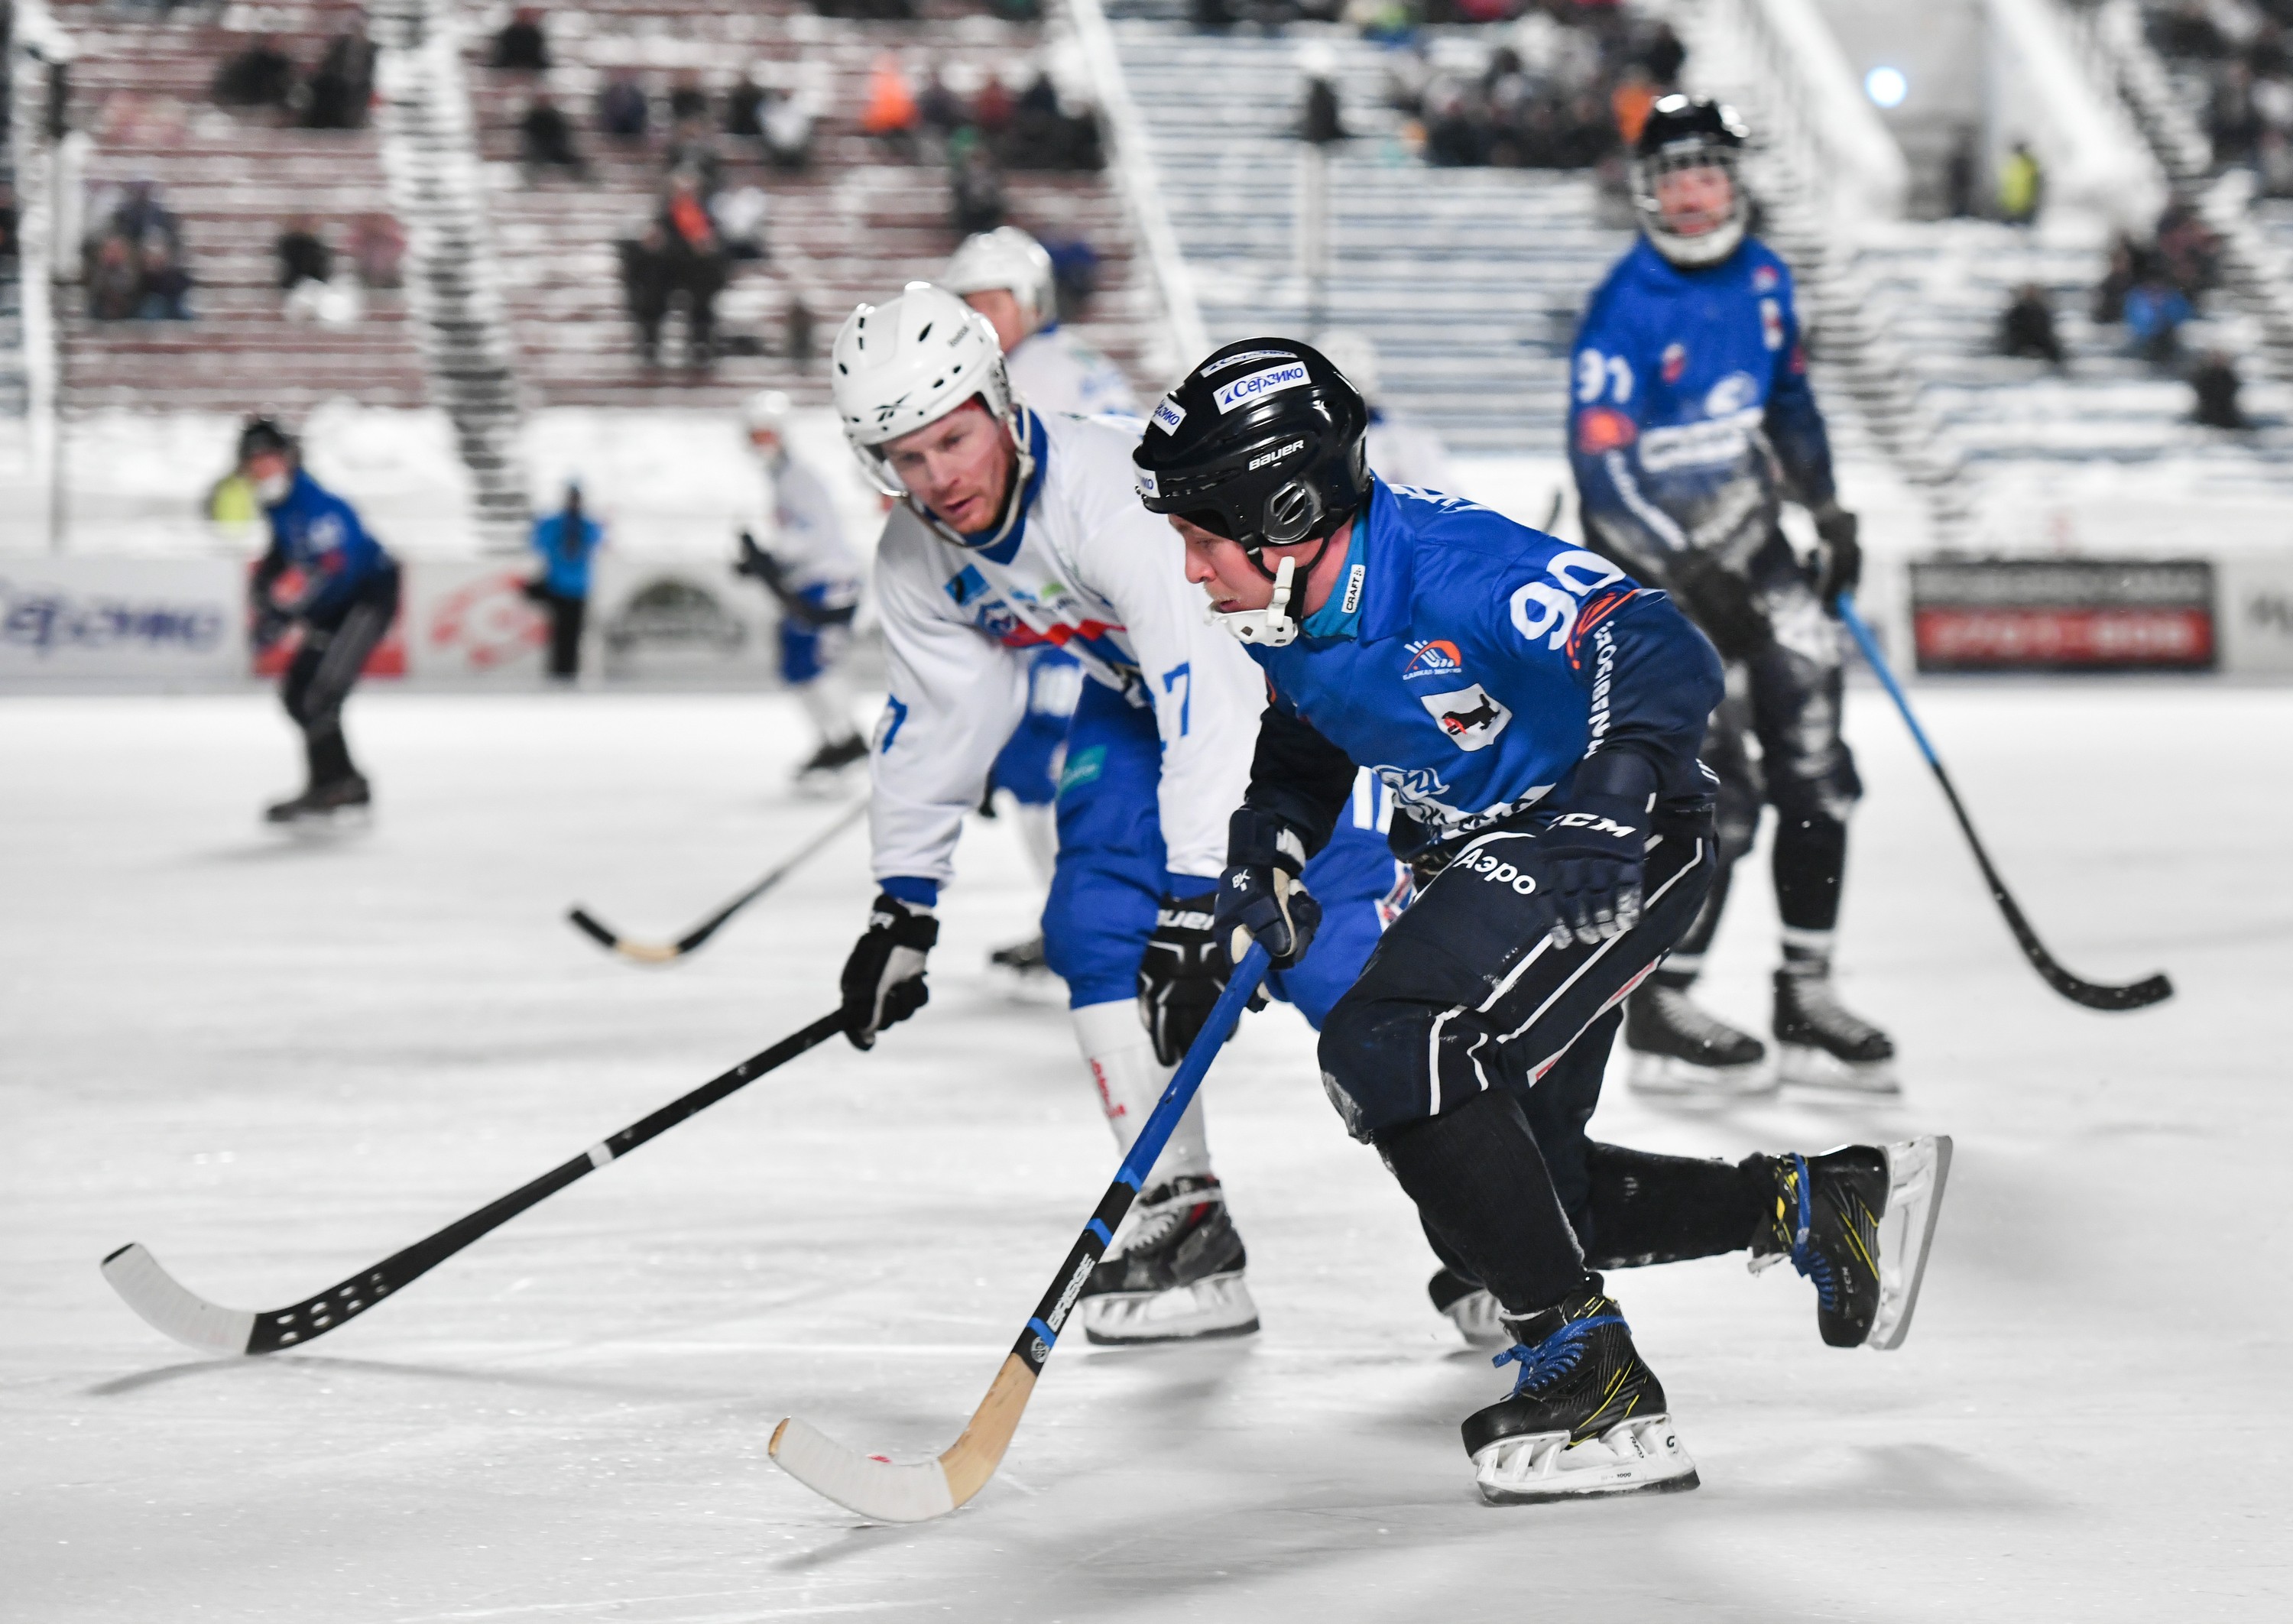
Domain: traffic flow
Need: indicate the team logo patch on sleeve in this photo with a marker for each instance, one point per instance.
(1674, 362)
(1435, 657)
(1763, 279)
(1470, 717)
(1603, 428)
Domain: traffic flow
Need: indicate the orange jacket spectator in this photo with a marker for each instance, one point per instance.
(1630, 103)
(891, 103)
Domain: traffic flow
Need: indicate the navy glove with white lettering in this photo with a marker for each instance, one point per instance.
(1259, 899)
(1593, 851)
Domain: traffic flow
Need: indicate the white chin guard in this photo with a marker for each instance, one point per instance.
(1271, 627)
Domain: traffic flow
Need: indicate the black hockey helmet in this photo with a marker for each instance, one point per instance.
(1690, 133)
(263, 434)
(1261, 443)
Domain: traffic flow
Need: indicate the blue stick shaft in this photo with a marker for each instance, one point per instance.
(1879, 664)
(1041, 1334)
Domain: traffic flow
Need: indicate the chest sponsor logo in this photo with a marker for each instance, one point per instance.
(1435, 656)
(1731, 394)
(1470, 716)
(1254, 386)
(1711, 443)
(1675, 361)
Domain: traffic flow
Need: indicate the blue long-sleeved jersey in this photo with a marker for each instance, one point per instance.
(1472, 663)
(1688, 388)
(317, 534)
(566, 551)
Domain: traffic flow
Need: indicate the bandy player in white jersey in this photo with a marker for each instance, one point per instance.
(1016, 529)
(1007, 277)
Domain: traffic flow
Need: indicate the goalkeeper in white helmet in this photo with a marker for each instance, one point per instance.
(1007, 277)
(811, 573)
(1016, 529)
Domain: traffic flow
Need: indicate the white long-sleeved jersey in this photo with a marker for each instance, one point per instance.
(1093, 572)
(807, 536)
(1059, 370)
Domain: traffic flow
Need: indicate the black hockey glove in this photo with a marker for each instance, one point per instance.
(1838, 554)
(1259, 898)
(760, 566)
(1593, 851)
(1181, 974)
(1722, 604)
(884, 978)
(271, 623)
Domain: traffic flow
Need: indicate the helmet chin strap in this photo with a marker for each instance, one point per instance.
(1023, 473)
(1274, 626)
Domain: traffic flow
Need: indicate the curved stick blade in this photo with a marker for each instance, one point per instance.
(167, 1306)
(879, 1489)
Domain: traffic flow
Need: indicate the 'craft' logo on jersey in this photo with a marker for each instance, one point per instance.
(1470, 716)
(1675, 361)
(1437, 657)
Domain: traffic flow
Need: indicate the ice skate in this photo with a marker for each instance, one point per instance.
(1178, 1278)
(824, 772)
(1819, 1044)
(1681, 1051)
(1477, 1315)
(1857, 1222)
(1585, 1417)
(321, 801)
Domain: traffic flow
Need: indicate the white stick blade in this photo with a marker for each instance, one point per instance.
(879, 1489)
(167, 1307)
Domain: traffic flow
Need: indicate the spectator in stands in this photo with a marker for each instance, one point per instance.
(1960, 170)
(2155, 313)
(693, 151)
(744, 109)
(1042, 135)
(974, 190)
(939, 108)
(991, 107)
(302, 255)
(623, 111)
(260, 75)
(679, 254)
(798, 328)
(889, 113)
(379, 249)
(688, 102)
(567, 541)
(342, 88)
(1664, 56)
(2215, 383)
(2127, 266)
(647, 283)
(739, 215)
(787, 130)
(164, 293)
(522, 46)
(2028, 329)
(113, 280)
(1321, 122)
(2189, 254)
(2022, 186)
(544, 141)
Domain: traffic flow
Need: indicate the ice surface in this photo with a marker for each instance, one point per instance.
(273, 1060)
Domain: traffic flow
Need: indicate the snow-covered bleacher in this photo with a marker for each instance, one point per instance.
(1469, 279)
(855, 225)
(140, 84)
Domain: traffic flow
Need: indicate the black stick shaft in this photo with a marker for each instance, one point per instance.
(283, 1327)
(708, 927)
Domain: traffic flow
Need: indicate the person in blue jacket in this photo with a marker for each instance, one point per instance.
(1538, 712)
(1690, 423)
(567, 541)
(328, 578)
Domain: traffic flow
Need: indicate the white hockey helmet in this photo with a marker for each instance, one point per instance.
(1353, 352)
(767, 409)
(1008, 259)
(900, 366)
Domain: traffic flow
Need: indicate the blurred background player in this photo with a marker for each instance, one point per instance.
(1007, 276)
(1690, 422)
(1403, 451)
(810, 571)
(1014, 528)
(326, 578)
(567, 541)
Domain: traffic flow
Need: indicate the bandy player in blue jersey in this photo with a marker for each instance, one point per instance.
(1690, 422)
(1015, 529)
(1549, 757)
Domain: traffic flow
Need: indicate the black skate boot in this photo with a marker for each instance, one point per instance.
(322, 801)
(1679, 1049)
(1024, 959)
(1820, 1046)
(825, 769)
(1476, 1313)
(1179, 1277)
(1857, 1222)
(1586, 1417)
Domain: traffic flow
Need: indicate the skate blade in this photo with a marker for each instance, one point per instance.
(1642, 1456)
(1669, 1077)
(1916, 1171)
(1805, 1066)
(1217, 1306)
(1480, 1319)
